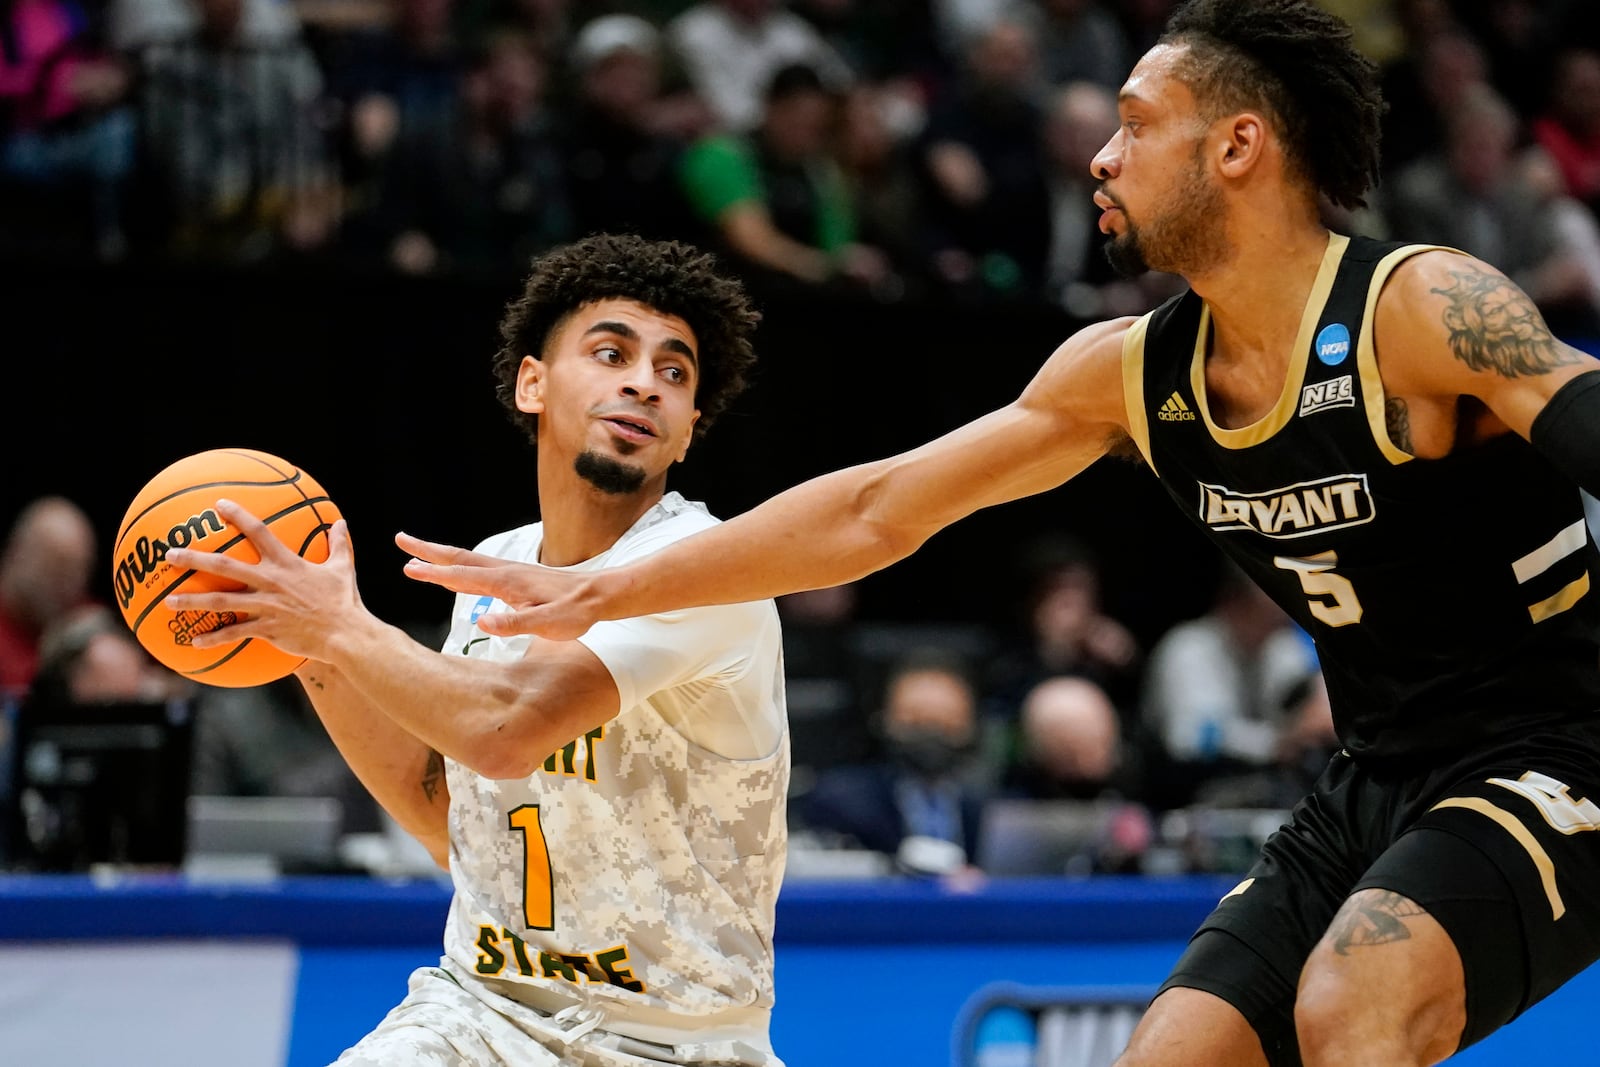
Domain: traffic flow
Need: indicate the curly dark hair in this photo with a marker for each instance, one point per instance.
(670, 276)
(1299, 63)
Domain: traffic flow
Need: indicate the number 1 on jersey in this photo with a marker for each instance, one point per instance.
(538, 901)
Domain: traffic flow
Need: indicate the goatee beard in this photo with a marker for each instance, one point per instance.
(608, 475)
(1125, 255)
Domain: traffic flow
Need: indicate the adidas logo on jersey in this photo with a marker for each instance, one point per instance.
(1174, 410)
(1337, 392)
(1292, 511)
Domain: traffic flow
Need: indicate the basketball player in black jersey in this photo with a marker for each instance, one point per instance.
(1391, 442)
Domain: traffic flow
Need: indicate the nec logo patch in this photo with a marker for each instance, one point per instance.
(1337, 392)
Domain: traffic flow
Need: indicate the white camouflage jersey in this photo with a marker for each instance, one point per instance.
(635, 875)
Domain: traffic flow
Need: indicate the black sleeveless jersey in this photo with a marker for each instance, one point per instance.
(1449, 599)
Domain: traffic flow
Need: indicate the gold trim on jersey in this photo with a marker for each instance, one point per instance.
(1289, 398)
(1513, 826)
(1133, 385)
(1367, 357)
(1563, 600)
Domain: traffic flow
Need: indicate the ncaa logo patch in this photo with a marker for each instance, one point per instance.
(1332, 344)
(483, 605)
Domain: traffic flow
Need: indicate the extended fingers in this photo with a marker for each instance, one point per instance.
(447, 555)
(466, 579)
(210, 563)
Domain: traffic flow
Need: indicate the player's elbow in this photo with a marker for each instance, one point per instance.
(881, 535)
(497, 755)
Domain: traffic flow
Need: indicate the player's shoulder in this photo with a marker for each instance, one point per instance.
(1432, 279)
(514, 543)
(1095, 345)
(1436, 292)
(672, 518)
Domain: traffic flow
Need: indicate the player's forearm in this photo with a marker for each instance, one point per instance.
(825, 532)
(499, 719)
(401, 772)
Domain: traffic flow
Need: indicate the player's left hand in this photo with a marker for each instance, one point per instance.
(549, 603)
(295, 604)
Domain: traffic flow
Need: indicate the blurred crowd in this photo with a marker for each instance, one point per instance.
(896, 149)
(887, 150)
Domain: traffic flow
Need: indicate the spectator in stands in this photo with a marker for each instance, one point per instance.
(1476, 195)
(883, 41)
(1519, 38)
(1423, 83)
(480, 194)
(267, 741)
(920, 806)
(1569, 127)
(1219, 692)
(91, 657)
(1062, 629)
(45, 567)
(886, 190)
(823, 678)
(1072, 749)
(987, 204)
(1081, 40)
(775, 200)
(385, 81)
(731, 50)
(235, 168)
(66, 129)
(618, 134)
(1071, 745)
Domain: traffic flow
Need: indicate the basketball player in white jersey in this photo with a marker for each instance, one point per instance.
(612, 808)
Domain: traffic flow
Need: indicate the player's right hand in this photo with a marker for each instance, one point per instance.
(549, 603)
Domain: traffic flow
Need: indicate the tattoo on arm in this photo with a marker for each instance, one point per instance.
(1495, 326)
(1371, 919)
(1398, 420)
(432, 775)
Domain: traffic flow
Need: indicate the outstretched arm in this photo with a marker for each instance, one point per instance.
(834, 528)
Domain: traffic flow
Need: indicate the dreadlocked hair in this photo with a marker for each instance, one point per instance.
(671, 277)
(1298, 62)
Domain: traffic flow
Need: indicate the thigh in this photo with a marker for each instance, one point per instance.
(1505, 859)
(439, 1024)
(1250, 950)
(1195, 1019)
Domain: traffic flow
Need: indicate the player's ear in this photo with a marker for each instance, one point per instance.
(530, 386)
(1243, 139)
(689, 438)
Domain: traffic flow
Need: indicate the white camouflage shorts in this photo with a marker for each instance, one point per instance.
(440, 1023)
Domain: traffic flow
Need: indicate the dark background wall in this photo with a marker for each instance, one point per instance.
(380, 389)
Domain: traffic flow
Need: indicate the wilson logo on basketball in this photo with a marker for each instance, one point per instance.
(147, 554)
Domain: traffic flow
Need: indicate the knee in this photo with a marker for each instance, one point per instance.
(1327, 1013)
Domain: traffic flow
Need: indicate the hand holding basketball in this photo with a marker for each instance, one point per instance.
(207, 586)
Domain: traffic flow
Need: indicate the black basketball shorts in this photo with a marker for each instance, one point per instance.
(1500, 847)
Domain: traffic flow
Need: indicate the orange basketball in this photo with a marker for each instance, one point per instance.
(177, 509)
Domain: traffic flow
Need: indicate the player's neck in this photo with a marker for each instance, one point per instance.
(580, 521)
(1258, 295)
